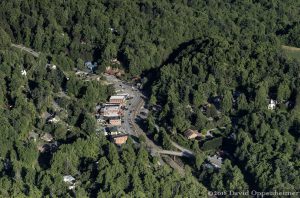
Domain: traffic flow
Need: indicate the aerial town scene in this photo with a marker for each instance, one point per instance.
(142, 99)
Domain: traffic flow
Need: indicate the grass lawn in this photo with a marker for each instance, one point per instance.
(292, 52)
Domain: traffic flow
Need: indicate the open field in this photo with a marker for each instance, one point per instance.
(292, 52)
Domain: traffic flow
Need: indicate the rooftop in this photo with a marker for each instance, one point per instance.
(120, 135)
(120, 139)
(215, 161)
(190, 134)
(123, 94)
(118, 97)
(69, 178)
(111, 107)
(112, 129)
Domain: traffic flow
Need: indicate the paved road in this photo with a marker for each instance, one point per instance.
(29, 50)
(173, 153)
(188, 153)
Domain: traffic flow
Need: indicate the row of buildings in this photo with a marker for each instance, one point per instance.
(111, 114)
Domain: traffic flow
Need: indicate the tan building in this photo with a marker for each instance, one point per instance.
(117, 99)
(191, 134)
(112, 110)
(120, 139)
(115, 121)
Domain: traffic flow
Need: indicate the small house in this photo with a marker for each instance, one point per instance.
(191, 134)
(215, 160)
(272, 104)
(119, 139)
(90, 65)
(70, 180)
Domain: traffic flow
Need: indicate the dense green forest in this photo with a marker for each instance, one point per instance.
(100, 168)
(207, 64)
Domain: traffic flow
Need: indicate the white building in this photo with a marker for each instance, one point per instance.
(24, 73)
(70, 180)
(272, 104)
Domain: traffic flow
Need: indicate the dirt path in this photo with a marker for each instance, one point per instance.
(290, 48)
